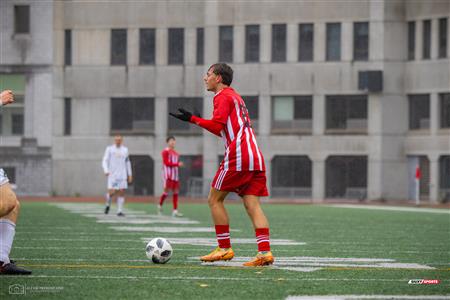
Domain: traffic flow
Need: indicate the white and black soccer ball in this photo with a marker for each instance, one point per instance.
(159, 250)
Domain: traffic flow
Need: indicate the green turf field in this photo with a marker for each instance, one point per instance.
(332, 251)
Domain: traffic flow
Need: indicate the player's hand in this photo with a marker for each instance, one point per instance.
(182, 115)
(180, 164)
(130, 179)
(6, 97)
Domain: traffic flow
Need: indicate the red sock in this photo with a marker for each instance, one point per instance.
(163, 197)
(262, 239)
(175, 201)
(223, 236)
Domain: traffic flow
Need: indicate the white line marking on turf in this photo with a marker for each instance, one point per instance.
(349, 297)
(197, 241)
(143, 221)
(393, 208)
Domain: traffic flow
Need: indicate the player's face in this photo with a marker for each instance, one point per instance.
(172, 143)
(211, 80)
(118, 140)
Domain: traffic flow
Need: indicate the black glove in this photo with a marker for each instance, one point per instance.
(183, 115)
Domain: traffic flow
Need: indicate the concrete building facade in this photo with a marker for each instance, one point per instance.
(348, 98)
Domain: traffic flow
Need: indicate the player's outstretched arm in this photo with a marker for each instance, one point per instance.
(6, 97)
(210, 125)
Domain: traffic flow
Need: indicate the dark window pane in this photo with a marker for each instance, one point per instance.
(336, 108)
(252, 43)
(419, 111)
(118, 47)
(147, 46)
(443, 29)
(347, 112)
(333, 52)
(444, 163)
(132, 115)
(426, 39)
(68, 47)
(21, 18)
(303, 107)
(291, 176)
(252, 104)
(361, 41)
(226, 43)
(200, 46)
(176, 46)
(17, 124)
(445, 110)
(346, 177)
(306, 42)
(176, 126)
(67, 116)
(121, 114)
(193, 168)
(411, 40)
(10, 172)
(279, 42)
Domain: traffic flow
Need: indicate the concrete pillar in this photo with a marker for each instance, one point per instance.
(347, 44)
(318, 179)
(319, 41)
(161, 46)
(434, 113)
(239, 44)
(264, 122)
(319, 116)
(161, 119)
(211, 39)
(210, 146)
(292, 42)
(265, 43)
(190, 40)
(434, 178)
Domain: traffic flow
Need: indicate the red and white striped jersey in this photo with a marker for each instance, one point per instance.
(170, 164)
(242, 152)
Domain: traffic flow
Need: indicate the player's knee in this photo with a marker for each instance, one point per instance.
(212, 201)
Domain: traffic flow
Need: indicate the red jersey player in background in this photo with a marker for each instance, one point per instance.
(242, 170)
(170, 175)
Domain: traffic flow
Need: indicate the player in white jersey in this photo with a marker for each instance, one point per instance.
(9, 212)
(117, 167)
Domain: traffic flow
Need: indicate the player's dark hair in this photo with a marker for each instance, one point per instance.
(225, 71)
(170, 137)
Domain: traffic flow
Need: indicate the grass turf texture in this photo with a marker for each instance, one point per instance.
(73, 257)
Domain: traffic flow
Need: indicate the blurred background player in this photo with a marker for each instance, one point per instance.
(9, 212)
(170, 175)
(117, 167)
(242, 170)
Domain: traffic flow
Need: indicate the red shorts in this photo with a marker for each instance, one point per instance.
(241, 182)
(171, 184)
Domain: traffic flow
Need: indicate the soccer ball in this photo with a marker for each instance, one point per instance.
(159, 250)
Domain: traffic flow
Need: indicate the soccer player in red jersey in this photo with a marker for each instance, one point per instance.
(171, 163)
(242, 169)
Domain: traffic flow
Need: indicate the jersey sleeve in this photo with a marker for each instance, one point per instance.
(222, 109)
(128, 162)
(105, 161)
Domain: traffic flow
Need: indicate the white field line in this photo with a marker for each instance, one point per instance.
(349, 297)
(394, 208)
(143, 221)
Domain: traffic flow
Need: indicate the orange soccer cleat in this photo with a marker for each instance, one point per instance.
(218, 254)
(261, 259)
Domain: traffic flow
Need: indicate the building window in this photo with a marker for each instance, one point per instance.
(176, 46)
(252, 43)
(175, 126)
(346, 114)
(346, 177)
(252, 104)
(411, 40)
(444, 177)
(333, 52)
(445, 110)
(419, 112)
(12, 115)
(278, 42)
(67, 47)
(361, 41)
(306, 42)
(132, 115)
(292, 114)
(11, 174)
(143, 172)
(147, 46)
(21, 19)
(443, 29)
(426, 39)
(191, 173)
(226, 43)
(118, 47)
(67, 116)
(200, 46)
(291, 176)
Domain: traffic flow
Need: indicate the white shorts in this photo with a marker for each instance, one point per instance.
(117, 183)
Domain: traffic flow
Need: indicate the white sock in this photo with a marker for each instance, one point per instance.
(108, 199)
(120, 202)
(7, 231)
